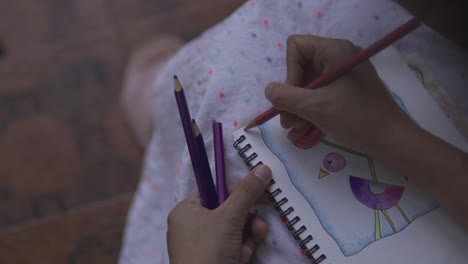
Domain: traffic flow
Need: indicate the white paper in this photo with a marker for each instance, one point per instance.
(356, 209)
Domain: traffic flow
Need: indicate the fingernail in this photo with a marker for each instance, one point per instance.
(263, 173)
(268, 91)
(246, 254)
(259, 229)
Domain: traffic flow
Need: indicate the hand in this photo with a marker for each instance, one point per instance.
(224, 235)
(355, 110)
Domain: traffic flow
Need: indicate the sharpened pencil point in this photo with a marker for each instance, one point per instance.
(177, 85)
(196, 129)
(251, 124)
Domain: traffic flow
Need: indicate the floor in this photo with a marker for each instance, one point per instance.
(69, 164)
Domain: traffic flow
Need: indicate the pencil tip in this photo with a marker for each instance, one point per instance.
(251, 124)
(196, 129)
(177, 85)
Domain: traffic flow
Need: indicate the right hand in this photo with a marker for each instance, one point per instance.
(356, 110)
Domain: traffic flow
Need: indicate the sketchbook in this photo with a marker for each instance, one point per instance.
(342, 206)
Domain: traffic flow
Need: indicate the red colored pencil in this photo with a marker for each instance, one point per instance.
(347, 66)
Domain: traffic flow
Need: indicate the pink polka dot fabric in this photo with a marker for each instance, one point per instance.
(224, 73)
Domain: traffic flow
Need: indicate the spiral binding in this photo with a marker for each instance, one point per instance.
(278, 203)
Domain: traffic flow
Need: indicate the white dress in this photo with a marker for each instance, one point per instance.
(224, 73)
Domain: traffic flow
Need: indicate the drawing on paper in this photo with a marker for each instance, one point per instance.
(371, 193)
(357, 200)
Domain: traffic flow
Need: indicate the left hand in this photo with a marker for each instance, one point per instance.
(224, 235)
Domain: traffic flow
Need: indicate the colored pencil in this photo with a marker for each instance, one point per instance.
(219, 162)
(202, 183)
(212, 201)
(346, 67)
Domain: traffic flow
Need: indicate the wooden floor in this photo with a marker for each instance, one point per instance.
(68, 162)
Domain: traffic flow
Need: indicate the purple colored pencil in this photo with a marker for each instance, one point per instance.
(202, 184)
(219, 162)
(205, 167)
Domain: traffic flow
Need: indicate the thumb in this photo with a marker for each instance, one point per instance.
(295, 100)
(249, 190)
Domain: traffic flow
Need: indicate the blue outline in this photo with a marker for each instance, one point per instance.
(315, 208)
(293, 180)
(400, 102)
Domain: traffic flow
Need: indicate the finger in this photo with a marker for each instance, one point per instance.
(247, 250)
(295, 134)
(298, 101)
(358, 48)
(304, 142)
(300, 51)
(232, 187)
(322, 53)
(263, 199)
(287, 119)
(308, 140)
(258, 228)
(194, 199)
(302, 124)
(295, 61)
(250, 189)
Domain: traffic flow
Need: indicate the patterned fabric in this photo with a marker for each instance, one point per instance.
(224, 72)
